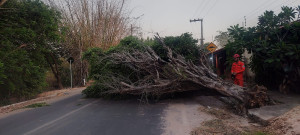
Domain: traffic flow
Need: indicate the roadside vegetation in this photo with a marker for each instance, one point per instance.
(275, 47)
(28, 39)
(36, 105)
(37, 37)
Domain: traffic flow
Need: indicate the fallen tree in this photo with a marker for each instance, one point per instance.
(156, 76)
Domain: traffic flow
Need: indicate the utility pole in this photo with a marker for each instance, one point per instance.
(195, 20)
(245, 21)
(134, 30)
(298, 9)
(71, 73)
(134, 27)
(71, 60)
(131, 29)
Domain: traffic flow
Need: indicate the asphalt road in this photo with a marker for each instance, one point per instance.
(78, 116)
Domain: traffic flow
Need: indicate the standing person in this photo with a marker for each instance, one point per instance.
(237, 70)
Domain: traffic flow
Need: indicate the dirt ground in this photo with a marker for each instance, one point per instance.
(204, 115)
(225, 123)
(287, 124)
(180, 118)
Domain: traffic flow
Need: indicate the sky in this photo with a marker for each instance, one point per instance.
(172, 17)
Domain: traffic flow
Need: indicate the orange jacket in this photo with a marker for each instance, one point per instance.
(238, 67)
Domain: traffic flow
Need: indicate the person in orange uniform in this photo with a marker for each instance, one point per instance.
(237, 70)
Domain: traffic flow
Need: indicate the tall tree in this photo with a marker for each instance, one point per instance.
(286, 15)
(222, 38)
(274, 44)
(97, 23)
(298, 10)
(27, 34)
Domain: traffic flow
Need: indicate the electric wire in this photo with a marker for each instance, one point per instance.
(204, 8)
(274, 9)
(211, 8)
(199, 7)
(253, 15)
(255, 10)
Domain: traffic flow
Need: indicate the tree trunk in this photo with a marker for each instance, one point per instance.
(55, 70)
(176, 75)
(2, 2)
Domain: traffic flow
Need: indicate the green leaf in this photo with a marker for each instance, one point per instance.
(259, 49)
(289, 53)
(269, 60)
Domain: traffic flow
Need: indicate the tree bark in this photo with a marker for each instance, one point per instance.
(55, 70)
(2, 2)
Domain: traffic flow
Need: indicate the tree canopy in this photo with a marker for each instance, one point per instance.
(29, 32)
(104, 71)
(275, 47)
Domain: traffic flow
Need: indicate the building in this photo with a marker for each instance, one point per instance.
(222, 68)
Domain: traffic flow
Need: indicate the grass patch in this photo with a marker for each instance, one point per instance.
(256, 133)
(215, 127)
(218, 113)
(36, 105)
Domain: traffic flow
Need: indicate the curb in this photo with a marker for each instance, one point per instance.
(12, 107)
(20, 105)
(259, 120)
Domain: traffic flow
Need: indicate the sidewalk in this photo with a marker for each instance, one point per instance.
(283, 118)
(267, 113)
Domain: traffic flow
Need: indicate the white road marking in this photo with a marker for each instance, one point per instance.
(59, 118)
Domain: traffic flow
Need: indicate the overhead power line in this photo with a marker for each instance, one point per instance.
(263, 7)
(253, 15)
(248, 14)
(204, 6)
(199, 7)
(289, 5)
(211, 8)
(275, 8)
(272, 8)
